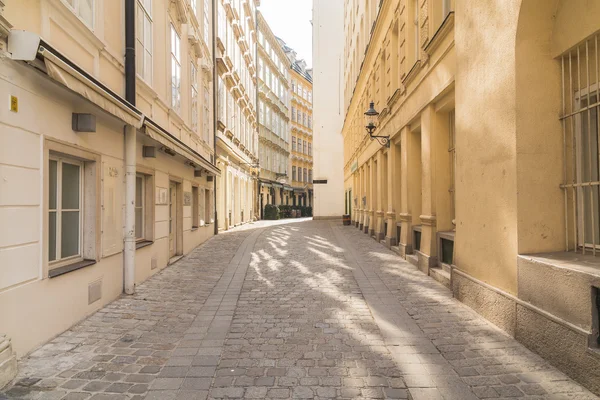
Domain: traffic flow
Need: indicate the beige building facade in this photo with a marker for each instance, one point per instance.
(103, 187)
(301, 131)
(274, 119)
(489, 182)
(237, 123)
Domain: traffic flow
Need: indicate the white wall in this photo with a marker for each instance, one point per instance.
(328, 107)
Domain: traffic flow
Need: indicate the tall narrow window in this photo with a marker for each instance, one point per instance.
(207, 206)
(194, 97)
(310, 179)
(310, 149)
(299, 145)
(305, 175)
(64, 207)
(293, 143)
(84, 9)
(206, 116)
(195, 207)
(140, 207)
(175, 70)
(144, 40)
(293, 173)
(416, 27)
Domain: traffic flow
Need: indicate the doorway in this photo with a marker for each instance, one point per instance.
(173, 217)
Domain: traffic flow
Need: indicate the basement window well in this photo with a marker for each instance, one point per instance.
(417, 237)
(446, 247)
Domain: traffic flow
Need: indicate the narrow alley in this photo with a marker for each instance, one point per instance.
(309, 309)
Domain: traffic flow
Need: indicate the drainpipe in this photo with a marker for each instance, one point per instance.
(130, 156)
(215, 108)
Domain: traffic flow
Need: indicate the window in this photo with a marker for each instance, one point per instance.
(144, 40)
(175, 70)
(293, 173)
(65, 209)
(580, 121)
(309, 122)
(293, 143)
(206, 23)
(304, 147)
(84, 9)
(206, 116)
(310, 97)
(310, 179)
(195, 207)
(299, 145)
(305, 175)
(140, 207)
(310, 149)
(294, 114)
(208, 206)
(194, 96)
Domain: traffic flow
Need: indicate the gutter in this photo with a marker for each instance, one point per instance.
(215, 108)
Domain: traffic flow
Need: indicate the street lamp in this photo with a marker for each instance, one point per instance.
(371, 121)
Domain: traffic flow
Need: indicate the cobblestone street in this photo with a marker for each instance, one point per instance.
(309, 309)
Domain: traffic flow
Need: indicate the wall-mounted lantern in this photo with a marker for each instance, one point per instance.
(371, 121)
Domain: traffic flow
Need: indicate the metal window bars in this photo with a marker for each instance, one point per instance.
(580, 72)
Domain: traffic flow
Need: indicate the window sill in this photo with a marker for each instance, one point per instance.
(53, 273)
(575, 262)
(143, 243)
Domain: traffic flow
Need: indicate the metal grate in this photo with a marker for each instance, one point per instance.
(580, 71)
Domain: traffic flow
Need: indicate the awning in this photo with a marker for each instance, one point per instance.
(160, 135)
(74, 78)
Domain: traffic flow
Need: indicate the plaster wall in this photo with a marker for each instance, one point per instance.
(486, 200)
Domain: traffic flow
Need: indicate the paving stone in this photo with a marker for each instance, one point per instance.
(288, 310)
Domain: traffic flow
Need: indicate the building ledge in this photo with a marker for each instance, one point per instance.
(70, 268)
(577, 262)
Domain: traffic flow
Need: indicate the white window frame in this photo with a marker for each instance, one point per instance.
(75, 7)
(59, 261)
(206, 116)
(175, 69)
(142, 207)
(194, 111)
(195, 207)
(143, 70)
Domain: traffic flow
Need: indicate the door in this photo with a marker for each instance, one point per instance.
(172, 219)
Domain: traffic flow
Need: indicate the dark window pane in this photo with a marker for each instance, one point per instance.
(417, 240)
(69, 245)
(447, 251)
(139, 223)
(52, 184)
(70, 186)
(52, 236)
(139, 190)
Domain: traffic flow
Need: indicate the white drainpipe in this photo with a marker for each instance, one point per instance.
(129, 239)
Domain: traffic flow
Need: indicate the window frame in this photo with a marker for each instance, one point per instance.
(175, 44)
(58, 261)
(142, 43)
(194, 95)
(75, 7)
(195, 207)
(143, 207)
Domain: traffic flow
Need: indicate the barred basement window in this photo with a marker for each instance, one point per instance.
(580, 94)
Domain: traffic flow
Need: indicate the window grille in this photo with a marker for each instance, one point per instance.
(580, 70)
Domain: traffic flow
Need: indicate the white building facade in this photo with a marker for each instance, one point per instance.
(328, 105)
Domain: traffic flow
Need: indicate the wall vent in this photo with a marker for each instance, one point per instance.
(95, 291)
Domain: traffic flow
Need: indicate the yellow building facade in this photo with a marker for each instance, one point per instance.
(489, 182)
(301, 132)
(109, 175)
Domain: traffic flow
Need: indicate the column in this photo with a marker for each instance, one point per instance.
(410, 187)
(381, 201)
(372, 196)
(392, 196)
(428, 252)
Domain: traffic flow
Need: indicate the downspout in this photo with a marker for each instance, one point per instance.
(215, 108)
(130, 156)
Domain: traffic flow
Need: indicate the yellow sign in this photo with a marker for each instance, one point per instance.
(14, 104)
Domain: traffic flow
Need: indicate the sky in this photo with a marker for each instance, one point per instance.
(290, 20)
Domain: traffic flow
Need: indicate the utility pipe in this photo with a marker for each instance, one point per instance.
(129, 239)
(130, 153)
(215, 108)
